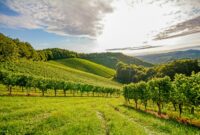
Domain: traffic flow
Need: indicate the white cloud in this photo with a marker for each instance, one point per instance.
(63, 17)
(181, 29)
(18, 22)
(185, 20)
(137, 22)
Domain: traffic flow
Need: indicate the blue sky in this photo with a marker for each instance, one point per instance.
(98, 25)
(41, 39)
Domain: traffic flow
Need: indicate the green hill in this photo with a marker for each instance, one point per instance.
(111, 59)
(53, 69)
(87, 66)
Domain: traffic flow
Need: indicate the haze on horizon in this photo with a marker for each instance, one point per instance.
(135, 27)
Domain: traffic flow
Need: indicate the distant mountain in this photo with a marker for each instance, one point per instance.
(110, 59)
(170, 56)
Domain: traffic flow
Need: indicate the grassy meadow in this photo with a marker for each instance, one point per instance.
(81, 116)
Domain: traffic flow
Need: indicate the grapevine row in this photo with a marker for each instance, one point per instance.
(184, 91)
(43, 84)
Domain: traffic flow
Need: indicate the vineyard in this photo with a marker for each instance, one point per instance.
(55, 70)
(57, 91)
(182, 95)
(10, 80)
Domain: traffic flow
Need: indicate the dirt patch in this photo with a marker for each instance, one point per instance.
(163, 116)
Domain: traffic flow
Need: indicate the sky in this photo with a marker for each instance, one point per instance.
(134, 27)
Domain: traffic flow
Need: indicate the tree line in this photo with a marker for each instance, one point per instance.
(182, 91)
(13, 49)
(26, 81)
(126, 73)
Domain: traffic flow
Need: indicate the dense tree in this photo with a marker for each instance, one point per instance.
(12, 49)
(149, 74)
(56, 53)
(132, 73)
(129, 73)
(8, 49)
(177, 67)
(25, 49)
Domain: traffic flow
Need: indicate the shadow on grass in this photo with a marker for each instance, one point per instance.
(168, 119)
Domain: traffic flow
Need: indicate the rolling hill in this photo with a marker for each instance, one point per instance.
(111, 59)
(170, 56)
(54, 69)
(87, 66)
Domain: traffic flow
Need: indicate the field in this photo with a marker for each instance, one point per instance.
(81, 116)
(56, 70)
(88, 66)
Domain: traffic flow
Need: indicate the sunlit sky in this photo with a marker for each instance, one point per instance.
(135, 27)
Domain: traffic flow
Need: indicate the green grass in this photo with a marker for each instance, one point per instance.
(59, 71)
(87, 66)
(81, 116)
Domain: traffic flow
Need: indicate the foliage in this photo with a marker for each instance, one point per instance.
(13, 49)
(183, 91)
(194, 91)
(160, 88)
(14, 79)
(56, 53)
(8, 49)
(178, 67)
(144, 92)
(132, 73)
(129, 73)
(186, 91)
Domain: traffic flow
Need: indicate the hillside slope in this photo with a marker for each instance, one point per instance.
(53, 69)
(167, 57)
(87, 66)
(111, 59)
